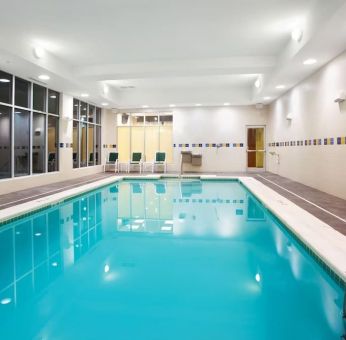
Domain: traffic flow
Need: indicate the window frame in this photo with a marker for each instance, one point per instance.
(86, 122)
(13, 107)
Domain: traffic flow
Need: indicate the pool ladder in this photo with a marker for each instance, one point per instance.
(344, 317)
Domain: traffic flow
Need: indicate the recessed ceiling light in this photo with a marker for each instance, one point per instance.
(84, 95)
(280, 87)
(171, 105)
(266, 98)
(226, 104)
(104, 104)
(310, 61)
(297, 34)
(39, 52)
(44, 77)
(145, 106)
(258, 83)
(197, 104)
(3, 80)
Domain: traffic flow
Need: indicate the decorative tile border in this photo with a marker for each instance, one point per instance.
(311, 142)
(207, 200)
(208, 145)
(109, 146)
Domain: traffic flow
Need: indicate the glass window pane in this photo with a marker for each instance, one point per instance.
(21, 142)
(39, 98)
(98, 115)
(151, 142)
(83, 144)
(123, 119)
(98, 145)
(5, 87)
(22, 92)
(137, 119)
(5, 141)
(83, 111)
(166, 119)
(166, 141)
(75, 153)
(124, 144)
(91, 114)
(151, 119)
(75, 109)
(38, 143)
(91, 153)
(53, 102)
(53, 143)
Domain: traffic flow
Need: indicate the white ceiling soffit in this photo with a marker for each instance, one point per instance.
(170, 52)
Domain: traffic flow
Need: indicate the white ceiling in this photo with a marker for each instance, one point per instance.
(181, 52)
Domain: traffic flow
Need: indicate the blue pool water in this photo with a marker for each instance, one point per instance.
(164, 259)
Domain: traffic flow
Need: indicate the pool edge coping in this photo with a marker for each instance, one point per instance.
(325, 243)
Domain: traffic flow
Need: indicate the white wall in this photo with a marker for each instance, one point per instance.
(215, 125)
(315, 115)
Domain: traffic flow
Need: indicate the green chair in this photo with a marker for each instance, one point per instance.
(136, 160)
(112, 159)
(160, 159)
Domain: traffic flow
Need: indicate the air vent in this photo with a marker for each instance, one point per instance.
(127, 87)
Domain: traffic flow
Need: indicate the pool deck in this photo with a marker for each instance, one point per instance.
(327, 208)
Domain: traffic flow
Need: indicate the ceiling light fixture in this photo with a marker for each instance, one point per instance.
(44, 77)
(104, 104)
(3, 80)
(310, 61)
(226, 104)
(84, 95)
(39, 52)
(171, 105)
(280, 87)
(197, 104)
(258, 83)
(297, 34)
(266, 98)
(145, 106)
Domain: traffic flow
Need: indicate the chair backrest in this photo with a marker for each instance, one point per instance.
(113, 157)
(51, 157)
(160, 156)
(136, 156)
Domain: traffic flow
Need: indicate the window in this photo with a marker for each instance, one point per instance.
(21, 142)
(5, 88)
(38, 143)
(75, 144)
(33, 118)
(53, 102)
(5, 141)
(39, 98)
(86, 134)
(22, 92)
(145, 132)
(53, 141)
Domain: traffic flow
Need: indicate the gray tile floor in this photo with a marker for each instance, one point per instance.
(306, 197)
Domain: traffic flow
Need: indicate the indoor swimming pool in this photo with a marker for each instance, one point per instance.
(162, 259)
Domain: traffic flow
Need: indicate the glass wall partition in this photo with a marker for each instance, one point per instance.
(31, 113)
(145, 132)
(86, 134)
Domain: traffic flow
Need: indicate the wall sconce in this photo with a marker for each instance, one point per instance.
(289, 116)
(341, 97)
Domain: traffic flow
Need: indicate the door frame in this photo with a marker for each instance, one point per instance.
(264, 150)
